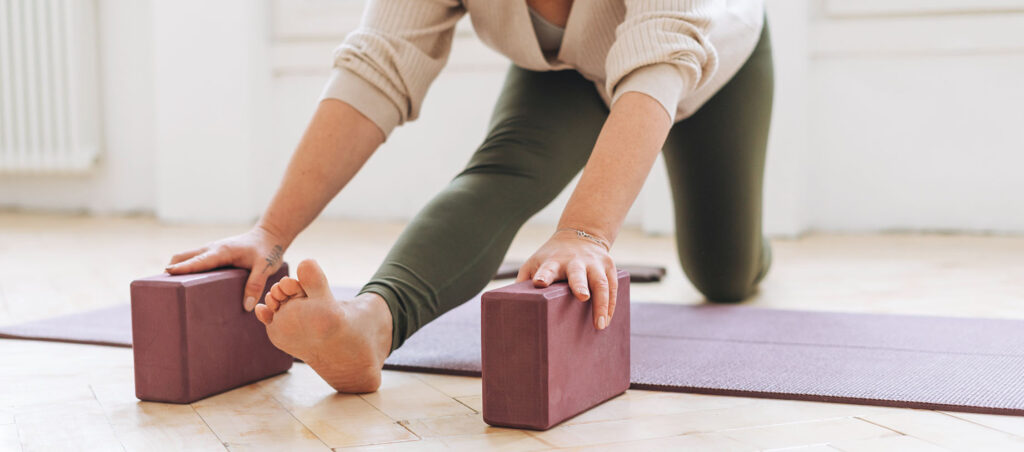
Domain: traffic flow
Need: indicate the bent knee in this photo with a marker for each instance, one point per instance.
(728, 289)
(728, 295)
(730, 278)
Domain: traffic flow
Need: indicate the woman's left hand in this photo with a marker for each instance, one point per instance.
(587, 266)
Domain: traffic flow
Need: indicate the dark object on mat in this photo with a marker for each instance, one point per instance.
(907, 361)
(193, 339)
(543, 361)
(637, 272)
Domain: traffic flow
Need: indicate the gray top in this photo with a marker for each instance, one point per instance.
(549, 35)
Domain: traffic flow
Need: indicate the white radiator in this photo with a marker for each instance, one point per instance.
(49, 112)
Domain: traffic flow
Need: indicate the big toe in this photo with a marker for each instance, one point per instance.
(312, 278)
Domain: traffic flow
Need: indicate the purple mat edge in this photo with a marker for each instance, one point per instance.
(829, 399)
(63, 341)
(11, 330)
(754, 394)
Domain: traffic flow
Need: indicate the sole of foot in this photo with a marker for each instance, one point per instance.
(344, 341)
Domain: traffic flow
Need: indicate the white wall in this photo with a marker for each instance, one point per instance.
(212, 90)
(917, 117)
(894, 114)
(122, 181)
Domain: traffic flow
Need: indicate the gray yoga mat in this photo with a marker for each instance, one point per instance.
(956, 364)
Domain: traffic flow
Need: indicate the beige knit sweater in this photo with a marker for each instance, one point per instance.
(679, 52)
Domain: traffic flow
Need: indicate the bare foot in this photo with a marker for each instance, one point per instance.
(345, 342)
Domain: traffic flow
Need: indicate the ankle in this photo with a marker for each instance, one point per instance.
(381, 315)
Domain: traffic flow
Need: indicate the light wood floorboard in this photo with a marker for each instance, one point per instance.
(77, 397)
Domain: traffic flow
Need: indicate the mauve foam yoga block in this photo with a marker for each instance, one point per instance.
(192, 338)
(542, 359)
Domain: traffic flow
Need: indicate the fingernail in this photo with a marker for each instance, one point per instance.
(600, 322)
(250, 303)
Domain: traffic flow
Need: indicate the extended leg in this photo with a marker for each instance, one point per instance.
(543, 128)
(541, 133)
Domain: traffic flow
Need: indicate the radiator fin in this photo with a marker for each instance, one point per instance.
(48, 85)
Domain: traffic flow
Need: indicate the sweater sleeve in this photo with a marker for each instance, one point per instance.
(662, 49)
(384, 67)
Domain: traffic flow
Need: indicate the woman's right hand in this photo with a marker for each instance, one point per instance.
(258, 250)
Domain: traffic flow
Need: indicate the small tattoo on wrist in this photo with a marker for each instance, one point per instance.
(274, 257)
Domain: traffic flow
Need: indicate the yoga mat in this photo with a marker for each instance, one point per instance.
(107, 326)
(956, 364)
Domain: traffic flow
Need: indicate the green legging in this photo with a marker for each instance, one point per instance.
(542, 131)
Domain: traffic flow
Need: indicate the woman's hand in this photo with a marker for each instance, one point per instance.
(586, 264)
(258, 250)
(625, 151)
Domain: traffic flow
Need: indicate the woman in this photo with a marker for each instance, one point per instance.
(598, 85)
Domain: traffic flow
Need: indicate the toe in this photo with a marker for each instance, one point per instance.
(312, 278)
(265, 314)
(272, 303)
(278, 293)
(291, 287)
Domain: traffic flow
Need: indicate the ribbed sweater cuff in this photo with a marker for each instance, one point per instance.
(362, 95)
(662, 81)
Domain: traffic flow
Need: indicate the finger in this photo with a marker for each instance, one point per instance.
(613, 291)
(548, 273)
(186, 255)
(254, 287)
(599, 290)
(207, 260)
(291, 287)
(526, 271)
(577, 273)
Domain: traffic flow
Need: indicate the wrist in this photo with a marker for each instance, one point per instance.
(274, 233)
(584, 234)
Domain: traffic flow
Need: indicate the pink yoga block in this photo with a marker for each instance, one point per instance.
(192, 338)
(542, 359)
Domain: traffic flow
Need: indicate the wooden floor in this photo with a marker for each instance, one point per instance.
(67, 397)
